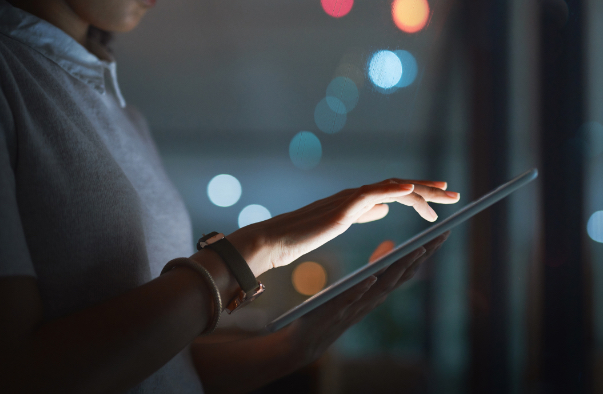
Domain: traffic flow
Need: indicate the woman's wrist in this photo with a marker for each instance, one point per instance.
(254, 245)
(251, 243)
(226, 283)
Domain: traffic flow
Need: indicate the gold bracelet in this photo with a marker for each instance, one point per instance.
(185, 262)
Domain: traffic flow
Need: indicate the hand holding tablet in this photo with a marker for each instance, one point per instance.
(318, 329)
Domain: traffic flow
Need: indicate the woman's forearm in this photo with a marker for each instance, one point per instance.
(117, 344)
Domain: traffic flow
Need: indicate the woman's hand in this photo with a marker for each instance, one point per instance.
(317, 330)
(280, 240)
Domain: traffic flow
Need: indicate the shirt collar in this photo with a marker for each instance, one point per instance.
(62, 49)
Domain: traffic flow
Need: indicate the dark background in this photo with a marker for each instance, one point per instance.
(511, 303)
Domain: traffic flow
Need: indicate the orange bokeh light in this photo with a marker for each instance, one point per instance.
(309, 278)
(410, 15)
(384, 248)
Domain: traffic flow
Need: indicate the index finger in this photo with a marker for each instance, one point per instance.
(439, 184)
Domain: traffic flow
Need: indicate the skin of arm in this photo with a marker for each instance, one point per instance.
(109, 347)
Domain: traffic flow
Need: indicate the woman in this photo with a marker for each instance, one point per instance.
(89, 220)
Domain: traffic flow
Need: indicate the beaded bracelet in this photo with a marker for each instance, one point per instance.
(185, 262)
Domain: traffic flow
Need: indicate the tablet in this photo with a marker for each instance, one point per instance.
(402, 250)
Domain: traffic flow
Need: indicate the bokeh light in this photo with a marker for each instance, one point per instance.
(327, 120)
(224, 190)
(409, 68)
(352, 72)
(336, 105)
(595, 226)
(410, 16)
(309, 278)
(305, 150)
(384, 248)
(344, 90)
(385, 69)
(252, 214)
(337, 8)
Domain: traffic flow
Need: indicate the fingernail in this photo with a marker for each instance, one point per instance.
(452, 194)
(433, 214)
(407, 186)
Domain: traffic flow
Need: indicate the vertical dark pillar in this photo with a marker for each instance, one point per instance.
(488, 294)
(565, 366)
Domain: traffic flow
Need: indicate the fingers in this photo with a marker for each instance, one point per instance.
(365, 198)
(420, 205)
(396, 274)
(378, 211)
(340, 304)
(431, 247)
(437, 195)
(439, 185)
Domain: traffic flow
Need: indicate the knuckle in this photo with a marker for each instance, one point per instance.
(364, 189)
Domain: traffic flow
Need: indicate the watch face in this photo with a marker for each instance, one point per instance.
(243, 300)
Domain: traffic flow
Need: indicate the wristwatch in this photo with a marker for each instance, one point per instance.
(251, 288)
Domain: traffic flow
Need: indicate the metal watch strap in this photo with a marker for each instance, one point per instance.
(236, 263)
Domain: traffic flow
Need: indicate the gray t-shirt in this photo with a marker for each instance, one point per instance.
(85, 205)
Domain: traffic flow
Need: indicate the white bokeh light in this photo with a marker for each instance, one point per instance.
(595, 226)
(224, 190)
(252, 214)
(385, 69)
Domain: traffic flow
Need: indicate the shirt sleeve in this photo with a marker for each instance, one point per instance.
(15, 259)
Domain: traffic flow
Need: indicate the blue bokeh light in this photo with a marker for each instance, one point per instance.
(409, 67)
(252, 214)
(305, 150)
(385, 69)
(595, 226)
(342, 90)
(327, 120)
(224, 190)
(336, 105)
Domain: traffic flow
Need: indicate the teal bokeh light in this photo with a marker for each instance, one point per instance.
(327, 120)
(305, 150)
(342, 90)
(409, 67)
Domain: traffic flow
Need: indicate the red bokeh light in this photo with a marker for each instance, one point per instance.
(337, 8)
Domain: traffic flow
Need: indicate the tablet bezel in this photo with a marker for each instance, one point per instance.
(402, 250)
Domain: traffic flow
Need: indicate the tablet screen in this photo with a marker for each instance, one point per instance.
(403, 249)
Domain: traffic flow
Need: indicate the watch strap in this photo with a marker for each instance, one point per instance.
(236, 263)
